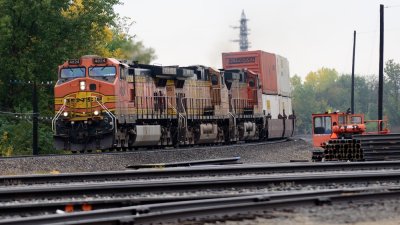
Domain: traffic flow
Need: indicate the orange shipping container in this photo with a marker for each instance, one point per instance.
(260, 62)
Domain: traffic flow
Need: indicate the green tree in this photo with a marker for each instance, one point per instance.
(38, 35)
(305, 102)
(391, 91)
(325, 90)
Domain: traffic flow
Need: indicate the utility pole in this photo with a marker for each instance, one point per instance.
(352, 74)
(35, 124)
(380, 90)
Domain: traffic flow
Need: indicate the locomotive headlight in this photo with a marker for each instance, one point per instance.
(82, 85)
(65, 114)
(96, 112)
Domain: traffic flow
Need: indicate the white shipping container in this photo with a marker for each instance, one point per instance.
(286, 104)
(271, 105)
(275, 105)
(283, 76)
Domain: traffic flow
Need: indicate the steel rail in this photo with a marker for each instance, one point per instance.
(219, 161)
(371, 137)
(12, 194)
(222, 208)
(199, 171)
(160, 149)
(94, 204)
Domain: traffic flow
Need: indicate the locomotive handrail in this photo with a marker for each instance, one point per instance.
(179, 114)
(155, 105)
(183, 108)
(70, 104)
(95, 98)
(234, 105)
(244, 100)
(206, 99)
(184, 111)
(233, 116)
(53, 121)
(172, 107)
(234, 121)
(159, 103)
(113, 118)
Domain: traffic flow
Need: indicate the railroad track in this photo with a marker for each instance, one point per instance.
(149, 149)
(197, 171)
(33, 195)
(207, 209)
(30, 198)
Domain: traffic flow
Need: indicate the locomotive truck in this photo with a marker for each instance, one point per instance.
(103, 103)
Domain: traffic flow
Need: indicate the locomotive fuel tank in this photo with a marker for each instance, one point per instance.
(147, 135)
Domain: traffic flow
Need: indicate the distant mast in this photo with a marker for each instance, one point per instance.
(244, 32)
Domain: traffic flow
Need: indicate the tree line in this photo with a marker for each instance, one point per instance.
(38, 35)
(325, 90)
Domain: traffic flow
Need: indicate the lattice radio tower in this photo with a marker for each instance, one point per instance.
(244, 43)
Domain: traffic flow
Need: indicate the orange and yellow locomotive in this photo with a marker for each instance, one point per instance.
(102, 103)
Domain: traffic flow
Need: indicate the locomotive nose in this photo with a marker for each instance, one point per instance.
(83, 105)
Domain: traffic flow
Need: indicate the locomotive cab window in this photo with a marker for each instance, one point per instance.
(322, 125)
(251, 83)
(198, 74)
(203, 74)
(122, 73)
(102, 71)
(214, 79)
(72, 72)
(241, 79)
(206, 75)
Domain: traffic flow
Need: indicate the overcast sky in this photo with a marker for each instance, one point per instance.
(310, 33)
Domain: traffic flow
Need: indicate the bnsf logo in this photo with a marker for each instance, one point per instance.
(242, 60)
(78, 100)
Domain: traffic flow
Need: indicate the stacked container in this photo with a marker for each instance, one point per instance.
(274, 77)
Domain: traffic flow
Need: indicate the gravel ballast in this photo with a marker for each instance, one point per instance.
(360, 213)
(376, 212)
(294, 149)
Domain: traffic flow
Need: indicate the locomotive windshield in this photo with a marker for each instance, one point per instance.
(72, 72)
(102, 71)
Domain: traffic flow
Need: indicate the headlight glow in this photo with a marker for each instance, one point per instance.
(96, 112)
(82, 85)
(65, 114)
